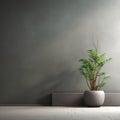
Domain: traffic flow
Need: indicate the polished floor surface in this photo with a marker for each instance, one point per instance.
(58, 113)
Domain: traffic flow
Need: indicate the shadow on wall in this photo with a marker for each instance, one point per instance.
(41, 93)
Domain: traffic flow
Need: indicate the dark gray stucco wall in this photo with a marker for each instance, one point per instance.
(41, 42)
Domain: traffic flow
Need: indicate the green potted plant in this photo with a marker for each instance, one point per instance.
(95, 78)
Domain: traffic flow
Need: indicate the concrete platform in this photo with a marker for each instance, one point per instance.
(58, 113)
(76, 99)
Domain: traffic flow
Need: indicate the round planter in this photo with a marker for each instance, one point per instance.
(94, 98)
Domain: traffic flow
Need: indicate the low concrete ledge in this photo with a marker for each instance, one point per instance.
(76, 99)
(67, 99)
(112, 99)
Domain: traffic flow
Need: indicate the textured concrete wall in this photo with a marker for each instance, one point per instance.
(41, 42)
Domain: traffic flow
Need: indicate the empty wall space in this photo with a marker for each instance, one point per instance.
(41, 42)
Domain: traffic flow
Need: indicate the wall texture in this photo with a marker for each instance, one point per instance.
(41, 42)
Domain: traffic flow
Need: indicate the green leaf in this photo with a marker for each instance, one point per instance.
(105, 77)
(100, 85)
(109, 59)
(93, 54)
(101, 73)
(101, 60)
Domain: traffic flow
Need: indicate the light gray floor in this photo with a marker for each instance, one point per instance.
(58, 113)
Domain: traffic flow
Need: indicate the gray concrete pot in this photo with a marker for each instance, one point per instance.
(94, 98)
